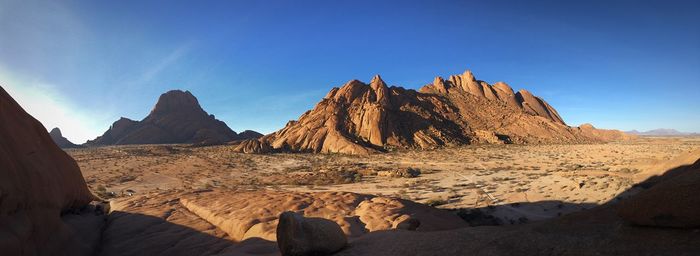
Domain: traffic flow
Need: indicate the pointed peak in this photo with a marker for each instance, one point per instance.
(439, 84)
(377, 79)
(55, 131)
(467, 75)
(380, 89)
(377, 82)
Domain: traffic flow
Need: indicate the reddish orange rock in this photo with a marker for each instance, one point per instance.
(38, 182)
(360, 118)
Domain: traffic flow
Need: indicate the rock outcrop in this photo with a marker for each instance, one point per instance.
(245, 215)
(61, 141)
(595, 134)
(360, 118)
(176, 118)
(301, 236)
(240, 222)
(40, 186)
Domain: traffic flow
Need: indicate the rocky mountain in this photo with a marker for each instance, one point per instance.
(61, 141)
(176, 118)
(360, 118)
(41, 190)
(662, 132)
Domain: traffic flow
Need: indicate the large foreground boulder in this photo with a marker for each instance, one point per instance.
(300, 236)
(39, 183)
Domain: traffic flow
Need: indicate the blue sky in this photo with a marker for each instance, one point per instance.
(81, 65)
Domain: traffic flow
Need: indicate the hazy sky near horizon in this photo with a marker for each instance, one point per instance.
(80, 65)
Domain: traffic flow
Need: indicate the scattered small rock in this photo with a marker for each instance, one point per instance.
(400, 173)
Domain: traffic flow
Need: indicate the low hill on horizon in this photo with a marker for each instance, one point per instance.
(662, 132)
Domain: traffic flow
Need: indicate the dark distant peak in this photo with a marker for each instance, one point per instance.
(176, 100)
(249, 134)
(124, 119)
(56, 132)
(123, 123)
(61, 141)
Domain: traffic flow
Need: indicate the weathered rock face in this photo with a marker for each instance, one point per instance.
(245, 215)
(360, 118)
(176, 118)
(499, 92)
(38, 181)
(61, 141)
(253, 146)
(240, 222)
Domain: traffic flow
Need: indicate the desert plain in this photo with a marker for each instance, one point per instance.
(508, 184)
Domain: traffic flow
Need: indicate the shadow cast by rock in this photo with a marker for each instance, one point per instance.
(138, 234)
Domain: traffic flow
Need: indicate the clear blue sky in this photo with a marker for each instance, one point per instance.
(81, 65)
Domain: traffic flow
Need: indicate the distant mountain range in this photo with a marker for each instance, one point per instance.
(662, 132)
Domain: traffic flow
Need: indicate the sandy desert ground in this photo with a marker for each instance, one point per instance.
(515, 183)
